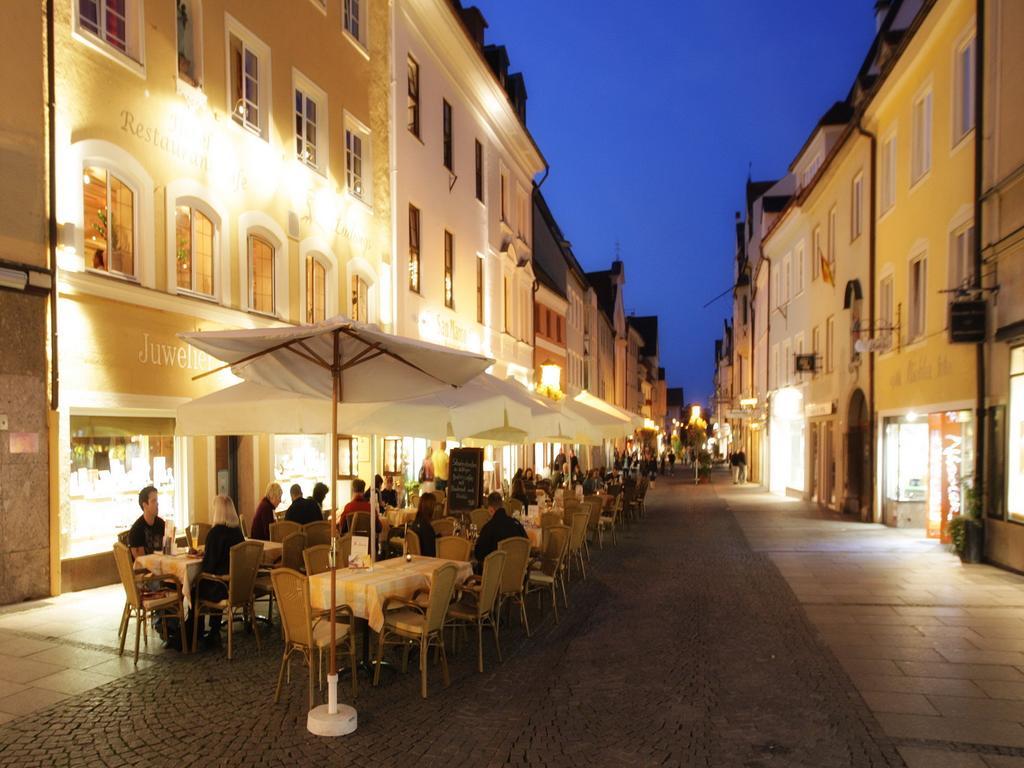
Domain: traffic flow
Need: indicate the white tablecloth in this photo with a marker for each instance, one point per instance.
(272, 552)
(399, 517)
(365, 591)
(185, 567)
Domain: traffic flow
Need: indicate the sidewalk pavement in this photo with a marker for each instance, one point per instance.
(935, 647)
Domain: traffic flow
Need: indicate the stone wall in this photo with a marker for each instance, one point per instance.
(24, 463)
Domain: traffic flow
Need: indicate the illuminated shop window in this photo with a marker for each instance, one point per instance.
(360, 300)
(261, 275)
(193, 250)
(109, 218)
(111, 460)
(302, 460)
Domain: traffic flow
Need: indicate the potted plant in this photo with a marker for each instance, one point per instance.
(967, 530)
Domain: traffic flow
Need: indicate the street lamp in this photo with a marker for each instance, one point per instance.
(551, 380)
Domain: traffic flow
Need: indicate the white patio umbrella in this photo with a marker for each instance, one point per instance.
(344, 361)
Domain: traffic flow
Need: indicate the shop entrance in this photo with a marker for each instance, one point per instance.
(858, 458)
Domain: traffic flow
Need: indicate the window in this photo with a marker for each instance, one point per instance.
(745, 318)
(107, 20)
(446, 132)
(412, 100)
(478, 154)
(816, 255)
(786, 362)
(357, 144)
(305, 129)
(414, 248)
(815, 346)
(885, 310)
(917, 299)
(316, 290)
(522, 215)
(961, 258)
(921, 146)
(833, 229)
(830, 343)
(189, 41)
(800, 270)
(479, 290)
(245, 85)
(507, 307)
(355, 23)
(773, 371)
(360, 299)
(856, 206)
(504, 196)
(109, 208)
(776, 289)
(193, 245)
(963, 109)
(786, 277)
(261, 275)
(449, 269)
(888, 191)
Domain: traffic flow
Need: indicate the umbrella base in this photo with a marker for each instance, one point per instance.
(320, 721)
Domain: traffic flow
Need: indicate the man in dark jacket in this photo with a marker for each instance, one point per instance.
(498, 528)
(302, 510)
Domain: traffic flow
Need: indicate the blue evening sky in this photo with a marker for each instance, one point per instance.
(649, 121)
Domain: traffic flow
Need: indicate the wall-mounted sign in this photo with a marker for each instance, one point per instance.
(812, 410)
(967, 321)
(806, 363)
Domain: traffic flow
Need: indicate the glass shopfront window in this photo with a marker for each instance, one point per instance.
(1015, 431)
(301, 459)
(111, 460)
(906, 456)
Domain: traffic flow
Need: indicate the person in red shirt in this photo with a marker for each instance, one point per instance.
(265, 512)
(358, 504)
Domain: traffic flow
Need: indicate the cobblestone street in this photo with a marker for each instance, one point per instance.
(685, 647)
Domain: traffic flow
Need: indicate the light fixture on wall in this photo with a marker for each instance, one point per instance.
(551, 380)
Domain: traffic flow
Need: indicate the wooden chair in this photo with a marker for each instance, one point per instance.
(408, 623)
(240, 582)
(318, 532)
(478, 601)
(283, 528)
(593, 510)
(143, 604)
(303, 632)
(444, 527)
(480, 517)
(513, 575)
(546, 576)
(412, 543)
(454, 548)
(196, 534)
(317, 559)
(291, 550)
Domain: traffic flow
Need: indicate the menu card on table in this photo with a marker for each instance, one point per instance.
(359, 555)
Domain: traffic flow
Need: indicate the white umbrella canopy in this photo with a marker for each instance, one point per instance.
(299, 359)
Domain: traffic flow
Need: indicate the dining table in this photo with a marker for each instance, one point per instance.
(364, 590)
(398, 516)
(184, 566)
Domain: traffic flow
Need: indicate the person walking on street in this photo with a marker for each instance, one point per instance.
(734, 466)
(671, 463)
(742, 461)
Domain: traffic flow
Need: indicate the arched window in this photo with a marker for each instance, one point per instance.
(261, 275)
(316, 290)
(109, 219)
(194, 237)
(360, 299)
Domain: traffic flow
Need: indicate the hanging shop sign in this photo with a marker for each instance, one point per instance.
(967, 321)
(806, 363)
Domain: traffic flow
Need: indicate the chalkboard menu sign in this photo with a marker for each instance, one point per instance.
(465, 479)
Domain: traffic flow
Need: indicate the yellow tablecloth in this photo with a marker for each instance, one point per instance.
(185, 567)
(366, 590)
(399, 517)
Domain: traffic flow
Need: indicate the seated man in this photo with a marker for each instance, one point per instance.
(147, 533)
(359, 503)
(389, 495)
(265, 512)
(302, 510)
(498, 528)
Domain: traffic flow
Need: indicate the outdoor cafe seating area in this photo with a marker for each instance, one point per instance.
(396, 601)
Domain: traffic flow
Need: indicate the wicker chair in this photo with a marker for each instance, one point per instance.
(480, 517)
(513, 507)
(317, 559)
(412, 543)
(577, 538)
(454, 548)
(549, 519)
(407, 622)
(478, 601)
(240, 581)
(291, 550)
(344, 549)
(608, 521)
(283, 528)
(318, 532)
(568, 510)
(546, 577)
(303, 633)
(142, 604)
(196, 534)
(445, 526)
(513, 575)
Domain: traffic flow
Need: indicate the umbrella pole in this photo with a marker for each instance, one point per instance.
(330, 719)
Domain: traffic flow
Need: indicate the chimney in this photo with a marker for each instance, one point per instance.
(517, 93)
(497, 57)
(881, 9)
(475, 24)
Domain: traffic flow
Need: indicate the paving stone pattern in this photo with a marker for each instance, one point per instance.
(683, 648)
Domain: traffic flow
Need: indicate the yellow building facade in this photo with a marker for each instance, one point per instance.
(922, 116)
(217, 167)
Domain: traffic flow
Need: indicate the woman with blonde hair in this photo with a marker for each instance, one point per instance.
(265, 512)
(224, 534)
